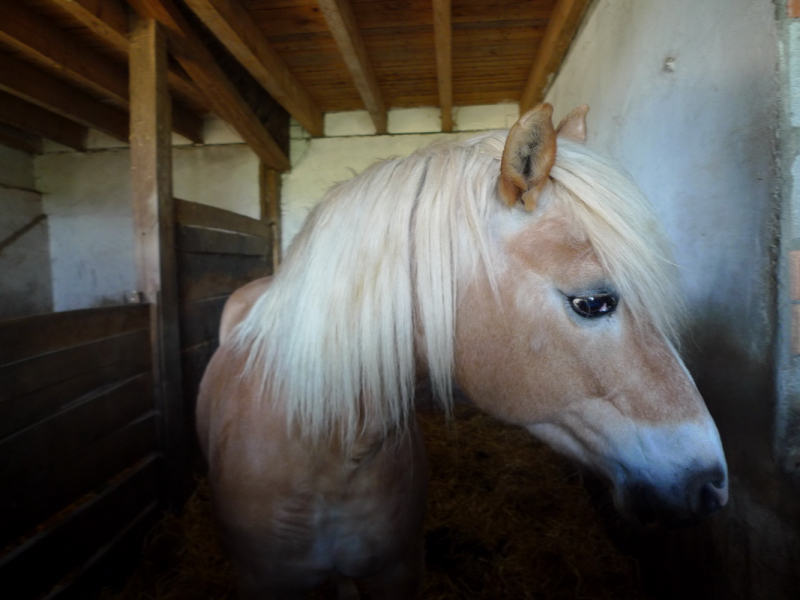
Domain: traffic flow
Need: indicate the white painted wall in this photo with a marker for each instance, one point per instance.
(24, 253)
(350, 146)
(683, 93)
(87, 197)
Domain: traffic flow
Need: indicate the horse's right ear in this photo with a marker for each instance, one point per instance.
(528, 156)
(573, 126)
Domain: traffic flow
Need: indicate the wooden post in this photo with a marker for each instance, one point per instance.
(270, 190)
(154, 223)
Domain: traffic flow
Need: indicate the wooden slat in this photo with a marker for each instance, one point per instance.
(200, 320)
(44, 559)
(108, 19)
(343, 26)
(26, 337)
(30, 500)
(20, 140)
(154, 226)
(24, 411)
(76, 426)
(444, 60)
(28, 376)
(209, 275)
(47, 45)
(564, 22)
(35, 120)
(270, 183)
(224, 98)
(31, 84)
(202, 215)
(213, 241)
(194, 361)
(237, 31)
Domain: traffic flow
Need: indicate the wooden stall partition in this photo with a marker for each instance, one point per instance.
(78, 446)
(218, 252)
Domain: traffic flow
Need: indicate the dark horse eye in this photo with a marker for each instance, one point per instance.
(593, 306)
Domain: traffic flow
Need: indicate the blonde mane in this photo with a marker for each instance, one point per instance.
(379, 261)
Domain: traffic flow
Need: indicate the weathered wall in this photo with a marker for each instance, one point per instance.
(24, 254)
(87, 197)
(683, 94)
(350, 146)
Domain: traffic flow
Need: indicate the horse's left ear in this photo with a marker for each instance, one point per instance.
(528, 157)
(573, 126)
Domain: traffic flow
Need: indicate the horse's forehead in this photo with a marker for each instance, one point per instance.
(557, 249)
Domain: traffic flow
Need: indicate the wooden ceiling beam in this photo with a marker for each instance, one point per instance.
(443, 39)
(561, 28)
(234, 27)
(49, 46)
(35, 86)
(29, 117)
(109, 20)
(343, 26)
(224, 98)
(20, 140)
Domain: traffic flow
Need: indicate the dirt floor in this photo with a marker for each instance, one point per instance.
(507, 519)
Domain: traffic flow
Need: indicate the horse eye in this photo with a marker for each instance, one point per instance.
(593, 306)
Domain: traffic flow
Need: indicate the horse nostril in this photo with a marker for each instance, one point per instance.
(708, 492)
(710, 500)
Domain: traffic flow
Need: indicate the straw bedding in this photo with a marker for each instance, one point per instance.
(507, 519)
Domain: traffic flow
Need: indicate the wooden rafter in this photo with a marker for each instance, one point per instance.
(29, 117)
(108, 19)
(49, 46)
(234, 27)
(561, 28)
(21, 140)
(443, 36)
(35, 86)
(342, 23)
(225, 100)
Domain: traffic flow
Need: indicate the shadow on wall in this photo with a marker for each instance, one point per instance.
(751, 548)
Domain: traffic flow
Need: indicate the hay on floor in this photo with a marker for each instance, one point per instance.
(507, 518)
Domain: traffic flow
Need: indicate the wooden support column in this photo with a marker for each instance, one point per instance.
(270, 190)
(154, 223)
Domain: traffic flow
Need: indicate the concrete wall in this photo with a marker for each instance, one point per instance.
(87, 197)
(350, 146)
(24, 254)
(683, 94)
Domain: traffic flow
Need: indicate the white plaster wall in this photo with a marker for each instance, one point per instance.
(25, 287)
(350, 146)
(87, 197)
(683, 93)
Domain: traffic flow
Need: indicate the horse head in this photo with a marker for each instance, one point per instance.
(571, 333)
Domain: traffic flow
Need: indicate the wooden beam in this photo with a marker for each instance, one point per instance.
(270, 192)
(35, 86)
(343, 26)
(20, 140)
(154, 226)
(224, 98)
(31, 118)
(235, 28)
(47, 45)
(443, 37)
(108, 19)
(561, 28)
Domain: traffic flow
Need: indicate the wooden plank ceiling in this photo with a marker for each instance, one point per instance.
(63, 63)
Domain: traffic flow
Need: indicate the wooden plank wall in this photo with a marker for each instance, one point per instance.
(218, 252)
(78, 446)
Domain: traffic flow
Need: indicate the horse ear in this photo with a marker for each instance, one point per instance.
(573, 126)
(528, 156)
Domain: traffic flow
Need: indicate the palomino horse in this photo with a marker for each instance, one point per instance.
(523, 269)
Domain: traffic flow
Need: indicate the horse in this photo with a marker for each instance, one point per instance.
(520, 269)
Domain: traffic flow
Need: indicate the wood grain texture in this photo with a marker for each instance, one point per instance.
(270, 183)
(561, 28)
(35, 120)
(213, 241)
(209, 275)
(194, 214)
(225, 100)
(200, 320)
(232, 25)
(345, 30)
(444, 60)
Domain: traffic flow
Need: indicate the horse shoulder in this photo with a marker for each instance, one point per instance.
(239, 304)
